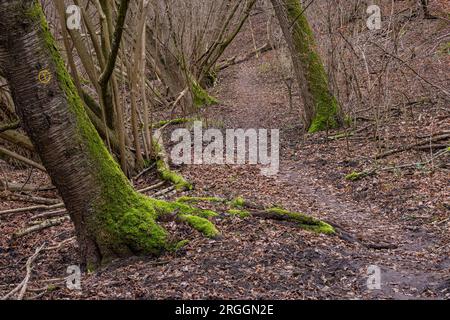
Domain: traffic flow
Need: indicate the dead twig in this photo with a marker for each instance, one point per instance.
(41, 226)
(32, 199)
(32, 208)
(412, 146)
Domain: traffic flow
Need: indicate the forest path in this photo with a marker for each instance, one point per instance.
(252, 95)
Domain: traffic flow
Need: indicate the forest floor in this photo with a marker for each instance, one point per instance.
(399, 218)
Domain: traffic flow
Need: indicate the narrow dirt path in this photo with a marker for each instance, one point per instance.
(252, 96)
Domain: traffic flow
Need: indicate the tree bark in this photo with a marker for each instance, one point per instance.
(320, 108)
(110, 218)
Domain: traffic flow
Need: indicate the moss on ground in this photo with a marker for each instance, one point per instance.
(305, 222)
(206, 227)
(200, 199)
(240, 213)
(200, 96)
(355, 176)
(166, 173)
(238, 202)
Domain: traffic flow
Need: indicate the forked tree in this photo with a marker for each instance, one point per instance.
(320, 107)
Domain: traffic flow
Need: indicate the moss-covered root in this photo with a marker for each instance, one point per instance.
(354, 176)
(176, 121)
(162, 165)
(200, 224)
(168, 175)
(200, 96)
(239, 213)
(186, 199)
(135, 230)
(304, 221)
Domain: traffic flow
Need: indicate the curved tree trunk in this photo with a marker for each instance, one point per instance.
(321, 109)
(110, 218)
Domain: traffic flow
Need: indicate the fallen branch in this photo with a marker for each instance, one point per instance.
(32, 199)
(17, 138)
(163, 192)
(414, 145)
(237, 60)
(59, 245)
(50, 214)
(61, 204)
(41, 226)
(162, 163)
(359, 175)
(155, 186)
(11, 186)
(16, 156)
(144, 171)
(33, 208)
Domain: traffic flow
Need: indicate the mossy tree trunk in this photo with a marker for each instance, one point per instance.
(110, 218)
(321, 109)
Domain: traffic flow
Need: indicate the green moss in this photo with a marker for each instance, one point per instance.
(305, 222)
(162, 123)
(240, 213)
(168, 175)
(202, 225)
(180, 245)
(164, 207)
(200, 96)
(200, 199)
(52, 288)
(238, 202)
(354, 176)
(325, 104)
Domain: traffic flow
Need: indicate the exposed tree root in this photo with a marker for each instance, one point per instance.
(304, 222)
(162, 164)
(255, 210)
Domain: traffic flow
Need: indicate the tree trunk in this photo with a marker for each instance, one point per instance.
(321, 109)
(110, 218)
